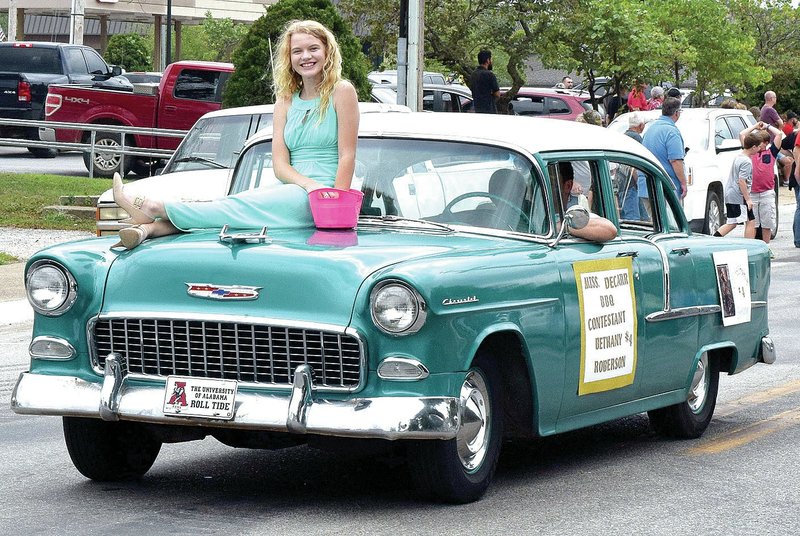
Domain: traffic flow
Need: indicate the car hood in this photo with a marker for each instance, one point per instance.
(197, 185)
(299, 274)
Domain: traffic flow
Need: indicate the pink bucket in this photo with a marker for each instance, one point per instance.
(335, 209)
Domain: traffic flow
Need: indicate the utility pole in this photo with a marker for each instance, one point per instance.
(409, 53)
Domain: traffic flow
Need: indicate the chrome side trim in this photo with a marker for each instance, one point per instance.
(696, 310)
(392, 417)
(682, 312)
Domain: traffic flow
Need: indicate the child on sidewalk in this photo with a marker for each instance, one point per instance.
(762, 190)
(737, 189)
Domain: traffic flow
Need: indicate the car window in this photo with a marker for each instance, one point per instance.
(198, 84)
(214, 139)
(95, 62)
(528, 105)
(722, 131)
(75, 61)
(633, 195)
(557, 106)
(443, 182)
(30, 60)
(735, 124)
(577, 182)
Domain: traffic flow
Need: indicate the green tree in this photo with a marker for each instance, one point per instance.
(252, 81)
(128, 51)
(773, 25)
(597, 37)
(709, 43)
(213, 40)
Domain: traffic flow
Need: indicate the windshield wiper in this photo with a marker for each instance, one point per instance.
(400, 219)
(202, 160)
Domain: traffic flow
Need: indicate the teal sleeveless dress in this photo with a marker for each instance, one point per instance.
(314, 152)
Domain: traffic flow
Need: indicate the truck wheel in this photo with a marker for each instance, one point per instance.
(43, 152)
(460, 470)
(713, 215)
(109, 451)
(689, 419)
(105, 163)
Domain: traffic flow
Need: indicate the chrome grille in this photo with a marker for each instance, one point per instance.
(255, 353)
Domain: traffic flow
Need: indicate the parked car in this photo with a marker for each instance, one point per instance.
(435, 97)
(187, 90)
(200, 168)
(712, 142)
(28, 68)
(549, 102)
(390, 77)
(460, 312)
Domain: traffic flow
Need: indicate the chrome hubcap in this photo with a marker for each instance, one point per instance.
(104, 160)
(713, 217)
(473, 438)
(699, 390)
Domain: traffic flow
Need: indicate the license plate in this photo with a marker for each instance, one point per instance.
(199, 397)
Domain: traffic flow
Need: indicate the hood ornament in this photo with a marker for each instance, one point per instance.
(222, 292)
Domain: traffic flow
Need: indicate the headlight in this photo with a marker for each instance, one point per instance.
(112, 213)
(397, 309)
(51, 288)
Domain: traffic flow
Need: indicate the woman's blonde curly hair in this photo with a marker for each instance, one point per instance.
(287, 81)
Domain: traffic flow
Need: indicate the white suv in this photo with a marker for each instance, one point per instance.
(712, 142)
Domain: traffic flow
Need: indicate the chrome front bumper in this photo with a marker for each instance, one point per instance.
(302, 412)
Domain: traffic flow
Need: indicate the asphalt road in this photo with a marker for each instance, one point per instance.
(19, 160)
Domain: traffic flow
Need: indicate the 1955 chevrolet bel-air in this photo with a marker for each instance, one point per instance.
(462, 310)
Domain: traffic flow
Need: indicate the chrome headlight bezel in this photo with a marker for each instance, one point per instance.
(415, 303)
(65, 280)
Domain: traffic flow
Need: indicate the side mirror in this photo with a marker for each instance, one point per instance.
(576, 217)
(116, 70)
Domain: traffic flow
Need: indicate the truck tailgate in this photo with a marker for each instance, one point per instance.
(9, 99)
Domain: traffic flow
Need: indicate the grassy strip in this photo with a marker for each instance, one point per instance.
(23, 197)
(6, 258)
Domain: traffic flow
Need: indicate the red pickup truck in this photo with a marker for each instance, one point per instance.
(188, 90)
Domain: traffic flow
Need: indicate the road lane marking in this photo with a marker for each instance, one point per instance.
(747, 434)
(729, 408)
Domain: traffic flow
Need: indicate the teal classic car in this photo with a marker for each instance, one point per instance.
(462, 311)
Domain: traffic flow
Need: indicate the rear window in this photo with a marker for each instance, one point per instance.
(30, 60)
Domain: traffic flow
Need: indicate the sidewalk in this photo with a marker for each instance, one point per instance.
(14, 306)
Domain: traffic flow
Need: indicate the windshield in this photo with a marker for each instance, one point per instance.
(216, 142)
(30, 60)
(453, 183)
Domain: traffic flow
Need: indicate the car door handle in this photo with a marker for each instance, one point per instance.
(170, 108)
(681, 251)
(628, 254)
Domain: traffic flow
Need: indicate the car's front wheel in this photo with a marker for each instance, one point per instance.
(109, 451)
(689, 419)
(460, 470)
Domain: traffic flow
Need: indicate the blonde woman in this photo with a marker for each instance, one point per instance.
(315, 128)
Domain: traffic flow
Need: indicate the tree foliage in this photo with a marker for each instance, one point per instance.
(252, 81)
(774, 26)
(595, 37)
(214, 40)
(129, 51)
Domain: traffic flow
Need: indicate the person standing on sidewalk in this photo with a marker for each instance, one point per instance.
(665, 141)
(483, 84)
(762, 191)
(737, 189)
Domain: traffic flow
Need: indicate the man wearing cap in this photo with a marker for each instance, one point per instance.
(628, 177)
(664, 140)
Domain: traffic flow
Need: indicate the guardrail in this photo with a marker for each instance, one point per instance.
(90, 147)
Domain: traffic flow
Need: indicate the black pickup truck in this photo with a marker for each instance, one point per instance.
(27, 68)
